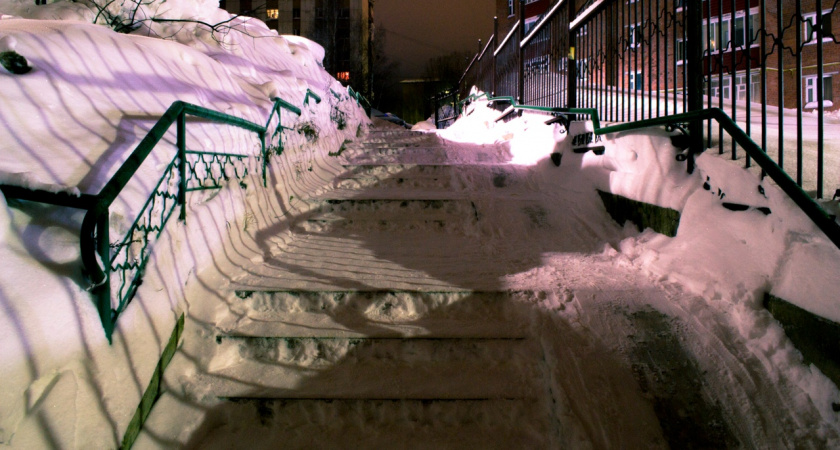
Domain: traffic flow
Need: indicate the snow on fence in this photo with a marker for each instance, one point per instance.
(768, 64)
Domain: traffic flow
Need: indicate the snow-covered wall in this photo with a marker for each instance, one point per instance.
(69, 123)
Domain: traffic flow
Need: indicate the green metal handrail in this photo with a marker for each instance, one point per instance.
(95, 243)
(279, 104)
(310, 94)
(95, 246)
(360, 99)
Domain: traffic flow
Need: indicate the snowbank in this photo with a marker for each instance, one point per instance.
(67, 125)
(729, 258)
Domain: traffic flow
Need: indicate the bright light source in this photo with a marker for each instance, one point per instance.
(272, 13)
(343, 76)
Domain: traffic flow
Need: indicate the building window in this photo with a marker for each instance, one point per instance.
(272, 13)
(530, 22)
(634, 35)
(811, 33)
(680, 51)
(510, 8)
(636, 81)
(719, 35)
(296, 13)
(343, 76)
(725, 88)
(582, 69)
(811, 97)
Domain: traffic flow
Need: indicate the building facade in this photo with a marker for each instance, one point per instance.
(633, 48)
(343, 27)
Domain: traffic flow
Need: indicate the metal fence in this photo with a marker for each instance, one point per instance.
(771, 65)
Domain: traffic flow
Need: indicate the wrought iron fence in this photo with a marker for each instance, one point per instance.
(771, 65)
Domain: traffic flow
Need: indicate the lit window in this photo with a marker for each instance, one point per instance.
(343, 76)
(272, 13)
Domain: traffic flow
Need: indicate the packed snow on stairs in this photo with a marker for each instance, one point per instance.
(434, 296)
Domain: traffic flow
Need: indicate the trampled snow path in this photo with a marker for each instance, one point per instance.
(435, 296)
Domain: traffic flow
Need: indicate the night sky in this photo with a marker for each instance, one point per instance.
(419, 30)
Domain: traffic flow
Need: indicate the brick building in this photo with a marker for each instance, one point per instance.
(633, 52)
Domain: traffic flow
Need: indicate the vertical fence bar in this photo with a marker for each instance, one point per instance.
(781, 81)
(493, 54)
(571, 70)
(733, 87)
(799, 102)
(820, 96)
(694, 71)
(764, 59)
(102, 293)
(182, 163)
(520, 36)
(264, 155)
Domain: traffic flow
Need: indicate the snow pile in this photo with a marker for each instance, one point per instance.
(68, 125)
(730, 258)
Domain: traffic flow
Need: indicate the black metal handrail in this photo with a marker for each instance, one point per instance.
(641, 64)
(807, 204)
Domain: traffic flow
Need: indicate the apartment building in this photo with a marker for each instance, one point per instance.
(342, 27)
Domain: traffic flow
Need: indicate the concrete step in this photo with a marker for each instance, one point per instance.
(355, 423)
(428, 155)
(359, 314)
(445, 178)
(361, 368)
(374, 259)
(378, 208)
(386, 215)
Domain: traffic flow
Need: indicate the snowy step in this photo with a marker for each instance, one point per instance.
(388, 215)
(443, 177)
(362, 368)
(374, 424)
(387, 209)
(377, 313)
(431, 155)
(384, 260)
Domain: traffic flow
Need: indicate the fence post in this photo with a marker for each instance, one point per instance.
(495, 47)
(571, 68)
(521, 35)
(182, 163)
(695, 76)
(264, 154)
(102, 293)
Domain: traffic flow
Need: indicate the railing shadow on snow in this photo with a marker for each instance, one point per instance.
(188, 171)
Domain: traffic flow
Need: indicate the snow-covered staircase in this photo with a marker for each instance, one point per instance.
(370, 324)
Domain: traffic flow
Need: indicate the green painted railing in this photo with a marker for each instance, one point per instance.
(188, 171)
(279, 104)
(360, 100)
